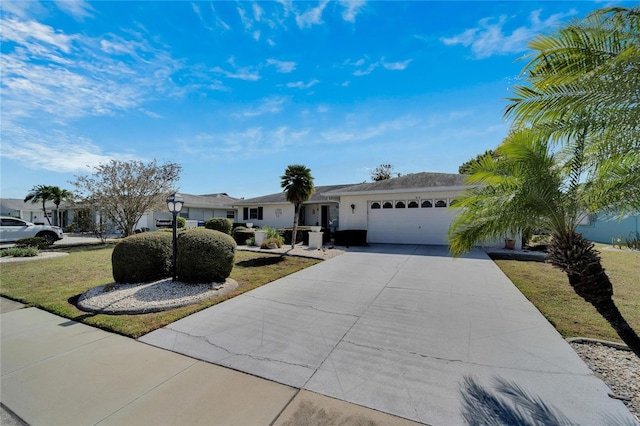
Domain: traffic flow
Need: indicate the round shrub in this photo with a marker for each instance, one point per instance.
(182, 222)
(204, 256)
(221, 224)
(142, 258)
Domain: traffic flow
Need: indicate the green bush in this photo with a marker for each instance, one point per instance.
(205, 256)
(35, 242)
(142, 258)
(182, 222)
(221, 224)
(19, 252)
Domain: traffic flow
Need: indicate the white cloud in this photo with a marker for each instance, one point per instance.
(272, 105)
(352, 8)
(489, 37)
(79, 9)
(240, 73)
(358, 133)
(54, 150)
(396, 66)
(311, 16)
(302, 84)
(282, 66)
(32, 35)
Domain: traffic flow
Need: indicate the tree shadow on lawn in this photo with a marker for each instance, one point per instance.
(261, 261)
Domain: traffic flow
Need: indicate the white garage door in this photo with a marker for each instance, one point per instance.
(402, 222)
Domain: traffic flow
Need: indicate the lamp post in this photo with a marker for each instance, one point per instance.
(174, 204)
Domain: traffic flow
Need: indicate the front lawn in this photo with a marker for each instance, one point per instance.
(54, 284)
(549, 290)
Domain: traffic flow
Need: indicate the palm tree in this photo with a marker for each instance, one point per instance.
(574, 148)
(59, 195)
(40, 193)
(298, 187)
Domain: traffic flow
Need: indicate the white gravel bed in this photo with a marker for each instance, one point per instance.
(116, 298)
(618, 368)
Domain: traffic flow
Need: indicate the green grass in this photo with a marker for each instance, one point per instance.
(549, 290)
(54, 285)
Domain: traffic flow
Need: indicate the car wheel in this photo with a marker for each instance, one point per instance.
(48, 237)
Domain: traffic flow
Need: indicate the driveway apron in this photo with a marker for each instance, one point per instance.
(406, 330)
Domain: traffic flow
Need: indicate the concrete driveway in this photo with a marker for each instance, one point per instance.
(405, 330)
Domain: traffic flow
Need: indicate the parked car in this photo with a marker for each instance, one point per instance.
(12, 229)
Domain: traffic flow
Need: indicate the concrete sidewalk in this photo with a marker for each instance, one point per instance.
(60, 372)
(405, 330)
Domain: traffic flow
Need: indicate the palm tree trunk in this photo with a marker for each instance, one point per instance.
(44, 210)
(296, 213)
(576, 256)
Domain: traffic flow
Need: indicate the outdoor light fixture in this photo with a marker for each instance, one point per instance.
(174, 204)
(353, 208)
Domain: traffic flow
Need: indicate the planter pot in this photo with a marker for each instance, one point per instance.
(509, 244)
(260, 236)
(315, 228)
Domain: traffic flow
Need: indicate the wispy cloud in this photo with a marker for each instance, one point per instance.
(311, 16)
(241, 73)
(302, 84)
(351, 9)
(395, 66)
(282, 66)
(352, 133)
(271, 105)
(490, 38)
(54, 150)
(79, 9)
(365, 66)
(219, 23)
(51, 78)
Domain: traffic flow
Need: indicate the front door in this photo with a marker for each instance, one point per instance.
(324, 217)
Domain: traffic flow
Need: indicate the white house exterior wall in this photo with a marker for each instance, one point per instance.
(399, 225)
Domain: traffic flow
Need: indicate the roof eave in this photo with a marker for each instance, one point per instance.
(400, 191)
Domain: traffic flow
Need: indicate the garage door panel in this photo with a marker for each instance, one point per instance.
(409, 226)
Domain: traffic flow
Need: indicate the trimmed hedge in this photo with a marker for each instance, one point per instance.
(221, 224)
(142, 258)
(35, 242)
(204, 256)
(302, 235)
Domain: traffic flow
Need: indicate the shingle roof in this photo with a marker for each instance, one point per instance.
(413, 181)
(221, 200)
(279, 197)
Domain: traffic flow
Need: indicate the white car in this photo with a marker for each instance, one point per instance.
(12, 229)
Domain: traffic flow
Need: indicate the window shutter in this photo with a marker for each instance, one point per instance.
(245, 213)
(259, 213)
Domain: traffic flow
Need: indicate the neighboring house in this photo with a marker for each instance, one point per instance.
(31, 212)
(275, 211)
(196, 208)
(602, 228)
(410, 209)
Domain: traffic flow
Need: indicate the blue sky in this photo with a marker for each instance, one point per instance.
(236, 91)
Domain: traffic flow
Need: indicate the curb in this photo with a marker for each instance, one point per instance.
(588, 340)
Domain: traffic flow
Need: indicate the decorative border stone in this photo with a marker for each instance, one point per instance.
(162, 295)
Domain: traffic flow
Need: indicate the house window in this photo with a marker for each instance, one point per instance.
(375, 205)
(252, 213)
(427, 204)
(400, 205)
(387, 205)
(231, 214)
(413, 205)
(441, 203)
